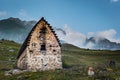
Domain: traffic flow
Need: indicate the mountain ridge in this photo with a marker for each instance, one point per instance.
(17, 30)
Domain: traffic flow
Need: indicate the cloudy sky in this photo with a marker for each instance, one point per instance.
(83, 18)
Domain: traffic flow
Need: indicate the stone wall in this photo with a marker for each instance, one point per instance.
(22, 61)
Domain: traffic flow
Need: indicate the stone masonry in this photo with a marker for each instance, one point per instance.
(41, 50)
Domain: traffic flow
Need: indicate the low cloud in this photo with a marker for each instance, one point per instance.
(114, 0)
(108, 34)
(3, 13)
(22, 12)
(72, 37)
(79, 39)
(89, 45)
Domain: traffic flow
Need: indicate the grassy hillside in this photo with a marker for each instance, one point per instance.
(75, 64)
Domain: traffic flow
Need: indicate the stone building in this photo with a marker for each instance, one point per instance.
(41, 50)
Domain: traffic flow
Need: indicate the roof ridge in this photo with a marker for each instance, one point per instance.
(25, 43)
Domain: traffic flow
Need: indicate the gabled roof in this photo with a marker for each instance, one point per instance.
(25, 44)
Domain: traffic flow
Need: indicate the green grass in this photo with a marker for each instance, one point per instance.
(75, 64)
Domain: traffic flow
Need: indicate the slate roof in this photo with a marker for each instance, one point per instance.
(25, 44)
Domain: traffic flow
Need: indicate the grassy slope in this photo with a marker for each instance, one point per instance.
(8, 53)
(88, 57)
(75, 62)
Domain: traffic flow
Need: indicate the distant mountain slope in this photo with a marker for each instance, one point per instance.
(15, 29)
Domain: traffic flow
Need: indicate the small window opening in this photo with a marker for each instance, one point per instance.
(50, 45)
(54, 50)
(43, 30)
(43, 47)
(34, 44)
(31, 51)
(45, 65)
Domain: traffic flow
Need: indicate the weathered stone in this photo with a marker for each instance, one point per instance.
(41, 49)
(11, 50)
(7, 73)
(14, 72)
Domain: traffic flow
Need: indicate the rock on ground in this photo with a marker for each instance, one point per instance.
(13, 72)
